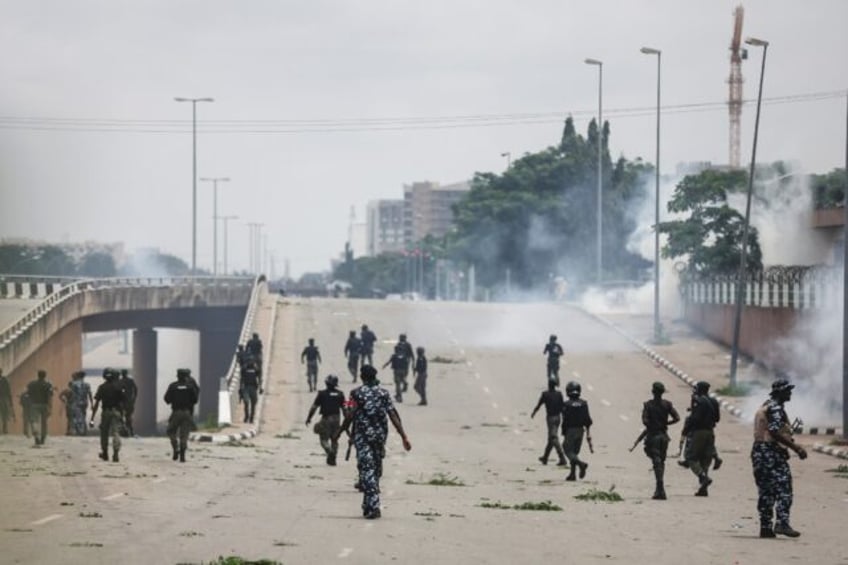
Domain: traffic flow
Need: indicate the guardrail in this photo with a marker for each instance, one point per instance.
(79, 286)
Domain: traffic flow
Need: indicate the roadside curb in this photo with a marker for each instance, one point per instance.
(842, 453)
(665, 363)
(222, 438)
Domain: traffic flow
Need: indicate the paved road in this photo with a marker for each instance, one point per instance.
(273, 496)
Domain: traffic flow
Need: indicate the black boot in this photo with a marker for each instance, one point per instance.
(115, 457)
(182, 454)
(572, 476)
(659, 493)
(104, 456)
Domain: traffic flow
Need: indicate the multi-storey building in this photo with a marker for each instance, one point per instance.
(384, 226)
(427, 209)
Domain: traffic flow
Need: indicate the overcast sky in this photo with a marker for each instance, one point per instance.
(296, 82)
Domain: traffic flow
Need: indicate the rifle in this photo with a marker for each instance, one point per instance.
(797, 426)
(349, 446)
(589, 443)
(638, 439)
(680, 447)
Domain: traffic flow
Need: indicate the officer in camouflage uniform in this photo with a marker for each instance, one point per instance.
(7, 407)
(701, 425)
(80, 399)
(40, 393)
(554, 351)
(575, 418)
(371, 405)
(182, 396)
(312, 356)
(770, 460)
(554, 403)
(657, 415)
(112, 396)
(330, 401)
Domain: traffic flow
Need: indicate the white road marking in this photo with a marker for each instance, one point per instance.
(345, 552)
(494, 405)
(590, 387)
(606, 402)
(113, 496)
(486, 390)
(45, 520)
(576, 374)
(505, 419)
(623, 417)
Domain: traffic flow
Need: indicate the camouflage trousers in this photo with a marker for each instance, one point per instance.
(656, 448)
(179, 426)
(111, 421)
(79, 427)
(774, 482)
(571, 445)
(554, 422)
(369, 462)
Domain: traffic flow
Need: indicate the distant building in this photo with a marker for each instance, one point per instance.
(427, 209)
(384, 227)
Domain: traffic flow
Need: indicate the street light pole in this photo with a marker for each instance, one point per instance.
(740, 279)
(845, 288)
(600, 66)
(657, 326)
(226, 219)
(508, 156)
(194, 102)
(215, 181)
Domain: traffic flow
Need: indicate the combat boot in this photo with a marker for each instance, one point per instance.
(572, 476)
(583, 467)
(182, 454)
(786, 530)
(115, 457)
(104, 456)
(717, 461)
(767, 532)
(702, 491)
(659, 492)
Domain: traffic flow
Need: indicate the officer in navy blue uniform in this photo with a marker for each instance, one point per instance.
(330, 402)
(182, 396)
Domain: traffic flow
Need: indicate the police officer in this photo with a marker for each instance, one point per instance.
(554, 403)
(575, 418)
(420, 372)
(7, 407)
(657, 415)
(40, 393)
(330, 402)
(400, 367)
(130, 394)
(250, 384)
(352, 350)
(253, 348)
(368, 338)
(770, 460)
(701, 426)
(182, 396)
(66, 398)
(406, 347)
(80, 400)
(554, 351)
(371, 405)
(312, 357)
(111, 395)
(26, 416)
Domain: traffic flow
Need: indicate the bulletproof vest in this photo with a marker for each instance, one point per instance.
(250, 377)
(399, 361)
(182, 396)
(311, 353)
(330, 402)
(39, 392)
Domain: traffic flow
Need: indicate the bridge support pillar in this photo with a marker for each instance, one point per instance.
(144, 368)
(217, 348)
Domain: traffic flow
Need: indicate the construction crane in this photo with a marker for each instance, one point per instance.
(734, 101)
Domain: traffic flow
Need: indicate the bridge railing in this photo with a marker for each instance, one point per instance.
(65, 292)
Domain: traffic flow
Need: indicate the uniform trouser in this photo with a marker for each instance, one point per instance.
(5, 414)
(368, 357)
(701, 450)
(571, 445)
(110, 426)
(554, 422)
(353, 365)
(369, 462)
(79, 426)
(26, 416)
(129, 409)
(656, 448)
(179, 426)
(312, 374)
(329, 427)
(420, 387)
(69, 418)
(400, 383)
(553, 372)
(38, 414)
(774, 482)
(249, 393)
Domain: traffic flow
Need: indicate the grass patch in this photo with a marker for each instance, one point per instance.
(279, 543)
(191, 534)
(67, 473)
(741, 389)
(90, 515)
(236, 560)
(466, 427)
(439, 480)
(287, 435)
(440, 359)
(238, 443)
(66, 504)
(18, 529)
(840, 469)
(545, 505)
(493, 425)
(499, 505)
(85, 544)
(598, 495)
(428, 514)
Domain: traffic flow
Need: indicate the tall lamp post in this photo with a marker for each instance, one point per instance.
(740, 278)
(508, 156)
(657, 326)
(600, 66)
(194, 102)
(226, 219)
(215, 181)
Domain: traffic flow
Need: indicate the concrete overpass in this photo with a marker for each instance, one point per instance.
(49, 335)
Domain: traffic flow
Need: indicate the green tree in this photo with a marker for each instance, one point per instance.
(98, 265)
(711, 235)
(829, 188)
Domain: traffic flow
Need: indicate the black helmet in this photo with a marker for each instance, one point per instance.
(183, 373)
(572, 388)
(553, 337)
(109, 373)
(780, 386)
(311, 341)
(331, 381)
(658, 388)
(367, 372)
(352, 333)
(364, 326)
(702, 387)
(419, 349)
(402, 337)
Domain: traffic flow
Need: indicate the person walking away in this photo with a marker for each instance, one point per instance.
(182, 397)
(130, 393)
(420, 372)
(7, 407)
(554, 403)
(40, 404)
(701, 426)
(330, 402)
(406, 347)
(111, 395)
(368, 338)
(554, 351)
(81, 398)
(250, 384)
(66, 398)
(657, 415)
(253, 348)
(312, 357)
(400, 365)
(575, 419)
(770, 461)
(352, 349)
(26, 413)
(372, 405)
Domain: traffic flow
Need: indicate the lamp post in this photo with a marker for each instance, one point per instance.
(600, 66)
(194, 102)
(657, 326)
(508, 156)
(740, 282)
(845, 290)
(215, 181)
(255, 240)
(226, 219)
